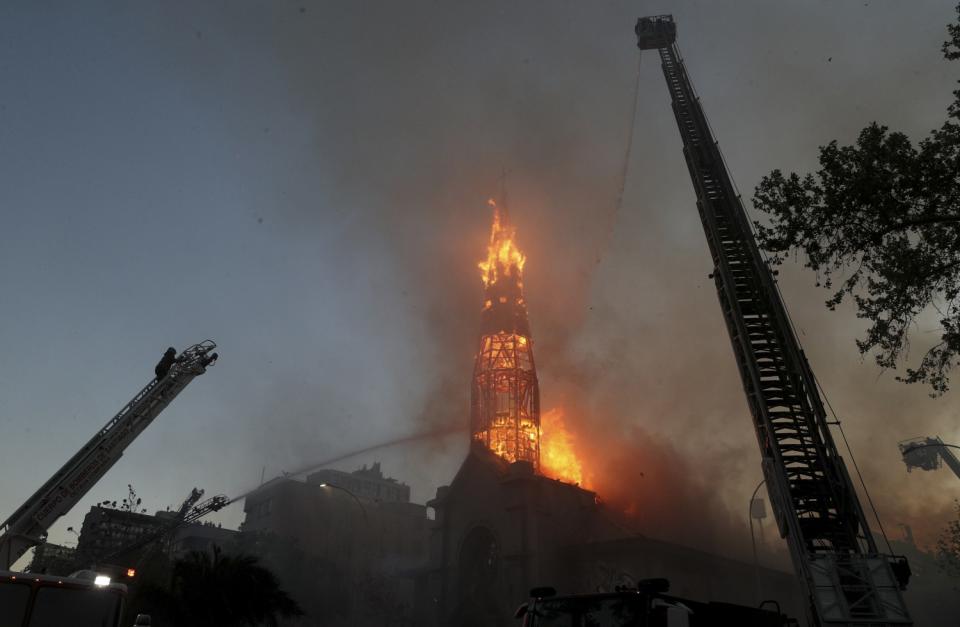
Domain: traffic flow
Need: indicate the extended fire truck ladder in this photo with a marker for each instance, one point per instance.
(29, 524)
(182, 519)
(845, 579)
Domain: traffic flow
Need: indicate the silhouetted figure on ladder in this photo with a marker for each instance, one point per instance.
(163, 366)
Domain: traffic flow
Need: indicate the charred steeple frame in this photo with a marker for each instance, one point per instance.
(505, 395)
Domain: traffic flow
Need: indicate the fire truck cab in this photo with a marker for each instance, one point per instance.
(29, 600)
(647, 605)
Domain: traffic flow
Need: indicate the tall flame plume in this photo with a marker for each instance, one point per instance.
(503, 256)
(505, 399)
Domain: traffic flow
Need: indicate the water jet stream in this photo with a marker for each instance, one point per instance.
(426, 435)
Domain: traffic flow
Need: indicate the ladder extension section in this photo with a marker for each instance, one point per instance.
(814, 500)
(209, 506)
(29, 524)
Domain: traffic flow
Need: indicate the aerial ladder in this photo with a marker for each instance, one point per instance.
(29, 524)
(184, 517)
(928, 454)
(195, 495)
(845, 579)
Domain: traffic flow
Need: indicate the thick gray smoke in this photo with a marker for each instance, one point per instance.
(404, 116)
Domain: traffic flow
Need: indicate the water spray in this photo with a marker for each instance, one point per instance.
(426, 435)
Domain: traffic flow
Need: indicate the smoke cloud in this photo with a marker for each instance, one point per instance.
(315, 192)
(414, 111)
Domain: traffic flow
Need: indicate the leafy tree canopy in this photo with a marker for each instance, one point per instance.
(879, 223)
(213, 589)
(948, 546)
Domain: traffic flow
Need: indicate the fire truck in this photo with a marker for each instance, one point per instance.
(28, 600)
(87, 599)
(29, 524)
(846, 581)
(647, 605)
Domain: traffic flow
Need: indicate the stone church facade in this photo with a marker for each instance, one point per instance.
(500, 529)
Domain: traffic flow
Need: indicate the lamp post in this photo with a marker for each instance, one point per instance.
(354, 563)
(352, 495)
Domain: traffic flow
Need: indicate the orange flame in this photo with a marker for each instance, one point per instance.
(503, 256)
(514, 434)
(558, 457)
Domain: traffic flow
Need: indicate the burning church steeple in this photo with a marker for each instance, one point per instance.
(505, 397)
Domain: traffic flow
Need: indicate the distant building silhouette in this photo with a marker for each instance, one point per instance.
(366, 483)
(53, 559)
(107, 530)
(360, 526)
(200, 536)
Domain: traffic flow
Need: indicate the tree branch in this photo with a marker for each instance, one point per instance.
(906, 224)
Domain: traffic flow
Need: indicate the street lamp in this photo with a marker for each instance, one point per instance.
(352, 495)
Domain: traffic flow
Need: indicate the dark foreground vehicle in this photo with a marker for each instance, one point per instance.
(28, 600)
(644, 606)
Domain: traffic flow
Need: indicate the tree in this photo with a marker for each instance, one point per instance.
(948, 546)
(130, 504)
(148, 589)
(324, 588)
(879, 222)
(210, 589)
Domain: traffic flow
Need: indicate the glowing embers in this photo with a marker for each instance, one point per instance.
(505, 414)
(510, 440)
